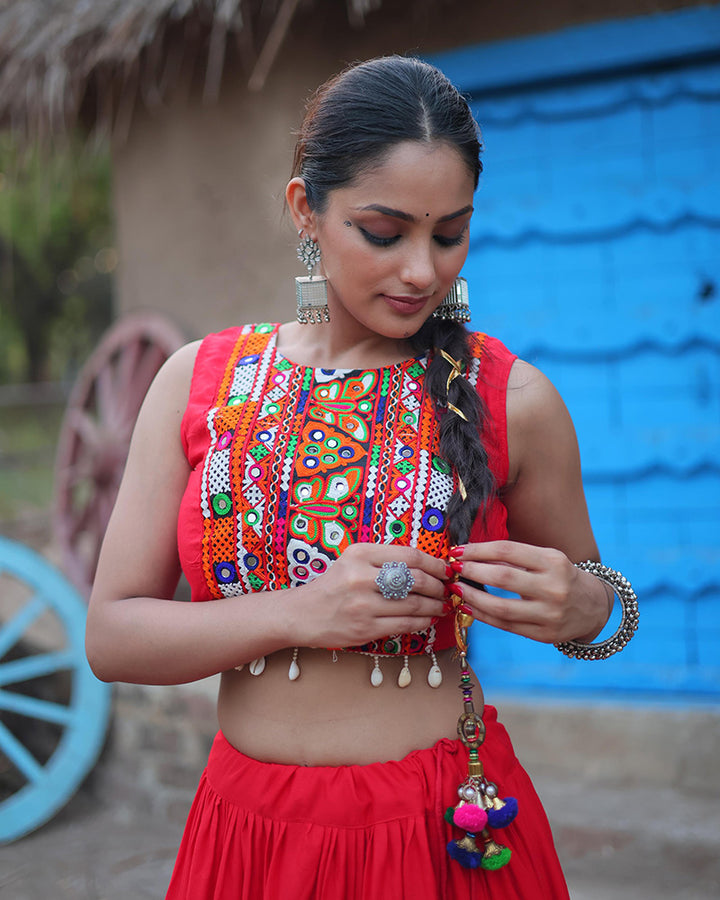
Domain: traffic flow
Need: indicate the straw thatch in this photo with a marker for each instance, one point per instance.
(67, 60)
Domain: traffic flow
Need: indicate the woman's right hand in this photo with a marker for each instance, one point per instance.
(345, 608)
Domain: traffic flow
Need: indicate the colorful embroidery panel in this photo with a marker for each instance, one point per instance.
(303, 462)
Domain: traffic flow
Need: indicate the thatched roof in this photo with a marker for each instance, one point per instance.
(62, 60)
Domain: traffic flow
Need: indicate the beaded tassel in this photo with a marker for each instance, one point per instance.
(479, 804)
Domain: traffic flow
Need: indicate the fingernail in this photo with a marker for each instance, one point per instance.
(457, 551)
(457, 589)
(466, 609)
(457, 566)
(449, 571)
(449, 590)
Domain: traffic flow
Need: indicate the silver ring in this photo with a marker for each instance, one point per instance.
(394, 580)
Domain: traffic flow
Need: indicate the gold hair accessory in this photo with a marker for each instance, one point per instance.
(461, 488)
(455, 372)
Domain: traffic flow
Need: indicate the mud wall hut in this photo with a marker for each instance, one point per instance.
(199, 99)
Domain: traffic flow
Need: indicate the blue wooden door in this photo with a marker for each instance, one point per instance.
(595, 254)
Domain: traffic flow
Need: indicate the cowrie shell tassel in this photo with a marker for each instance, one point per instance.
(294, 670)
(404, 678)
(434, 675)
(376, 676)
(257, 666)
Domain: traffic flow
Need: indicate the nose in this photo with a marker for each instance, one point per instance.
(419, 266)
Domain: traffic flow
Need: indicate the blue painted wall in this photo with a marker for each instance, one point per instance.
(595, 254)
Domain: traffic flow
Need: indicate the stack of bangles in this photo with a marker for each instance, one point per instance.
(622, 588)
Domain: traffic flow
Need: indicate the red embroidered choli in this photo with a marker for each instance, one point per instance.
(291, 464)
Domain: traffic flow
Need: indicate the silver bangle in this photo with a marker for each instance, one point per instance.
(628, 624)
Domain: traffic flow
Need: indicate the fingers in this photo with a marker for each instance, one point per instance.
(428, 573)
(377, 554)
(508, 613)
(519, 568)
(547, 604)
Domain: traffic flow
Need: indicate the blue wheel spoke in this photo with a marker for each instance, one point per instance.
(35, 666)
(34, 708)
(12, 631)
(19, 756)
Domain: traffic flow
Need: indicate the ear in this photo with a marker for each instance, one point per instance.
(297, 203)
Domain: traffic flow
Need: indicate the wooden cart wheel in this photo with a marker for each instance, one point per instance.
(95, 435)
(53, 711)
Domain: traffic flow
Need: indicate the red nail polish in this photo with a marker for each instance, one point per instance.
(449, 571)
(466, 609)
(457, 566)
(457, 551)
(458, 590)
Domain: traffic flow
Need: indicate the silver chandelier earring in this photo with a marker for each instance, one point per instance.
(456, 304)
(310, 290)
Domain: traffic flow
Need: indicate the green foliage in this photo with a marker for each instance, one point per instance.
(56, 259)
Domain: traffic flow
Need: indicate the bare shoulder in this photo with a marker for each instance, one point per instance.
(544, 495)
(538, 420)
(169, 392)
(531, 396)
(176, 372)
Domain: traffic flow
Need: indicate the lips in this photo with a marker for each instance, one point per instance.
(406, 305)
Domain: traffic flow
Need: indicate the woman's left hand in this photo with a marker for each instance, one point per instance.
(555, 600)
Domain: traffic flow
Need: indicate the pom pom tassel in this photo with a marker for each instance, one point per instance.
(495, 856)
(479, 802)
(502, 812)
(465, 851)
(470, 817)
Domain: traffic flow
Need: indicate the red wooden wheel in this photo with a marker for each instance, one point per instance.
(95, 435)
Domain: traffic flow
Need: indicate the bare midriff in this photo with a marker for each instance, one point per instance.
(332, 715)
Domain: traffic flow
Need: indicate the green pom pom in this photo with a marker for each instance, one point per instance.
(497, 860)
(449, 815)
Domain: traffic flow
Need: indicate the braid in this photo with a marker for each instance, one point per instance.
(460, 441)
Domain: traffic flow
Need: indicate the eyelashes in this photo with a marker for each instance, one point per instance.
(377, 240)
(440, 239)
(451, 241)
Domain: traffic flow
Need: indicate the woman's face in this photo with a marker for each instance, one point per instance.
(394, 240)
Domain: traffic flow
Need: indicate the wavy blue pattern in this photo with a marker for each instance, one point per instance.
(565, 234)
(595, 254)
(606, 99)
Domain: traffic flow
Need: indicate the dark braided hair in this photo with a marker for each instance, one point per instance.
(352, 123)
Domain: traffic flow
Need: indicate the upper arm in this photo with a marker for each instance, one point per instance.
(544, 497)
(139, 556)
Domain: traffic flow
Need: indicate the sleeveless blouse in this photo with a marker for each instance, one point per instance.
(290, 464)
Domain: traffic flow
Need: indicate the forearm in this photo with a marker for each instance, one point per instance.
(145, 640)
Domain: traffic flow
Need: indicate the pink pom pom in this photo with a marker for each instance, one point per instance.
(470, 817)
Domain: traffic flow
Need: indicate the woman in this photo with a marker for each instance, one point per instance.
(344, 486)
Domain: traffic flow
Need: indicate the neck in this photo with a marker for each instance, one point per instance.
(329, 345)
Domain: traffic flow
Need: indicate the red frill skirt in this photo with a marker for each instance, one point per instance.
(264, 831)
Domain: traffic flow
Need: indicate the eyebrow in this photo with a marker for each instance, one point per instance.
(406, 217)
